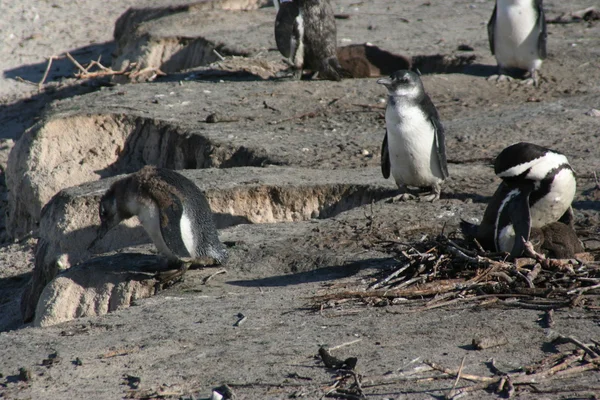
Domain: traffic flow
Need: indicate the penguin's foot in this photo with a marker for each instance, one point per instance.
(528, 82)
(175, 272)
(500, 78)
(430, 197)
(402, 197)
(532, 80)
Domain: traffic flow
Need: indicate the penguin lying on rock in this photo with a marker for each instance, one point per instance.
(537, 189)
(172, 210)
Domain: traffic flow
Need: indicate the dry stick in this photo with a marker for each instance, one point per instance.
(208, 278)
(41, 83)
(583, 289)
(339, 346)
(452, 392)
(474, 378)
(577, 343)
(389, 277)
(74, 61)
(218, 55)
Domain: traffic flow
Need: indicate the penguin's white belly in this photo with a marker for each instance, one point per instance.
(552, 206)
(149, 216)
(187, 234)
(506, 239)
(516, 36)
(411, 139)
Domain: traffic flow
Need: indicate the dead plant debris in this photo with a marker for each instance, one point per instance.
(443, 271)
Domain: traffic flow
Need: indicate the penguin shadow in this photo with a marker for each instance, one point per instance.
(328, 273)
(214, 75)
(480, 70)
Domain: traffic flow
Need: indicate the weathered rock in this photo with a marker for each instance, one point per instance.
(174, 38)
(241, 195)
(99, 286)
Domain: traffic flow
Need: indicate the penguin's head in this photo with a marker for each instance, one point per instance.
(403, 83)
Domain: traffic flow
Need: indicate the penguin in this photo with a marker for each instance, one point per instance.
(517, 36)
(305, 34)
(556, 240)
(413, 148)
(538, 186)
(172, 210)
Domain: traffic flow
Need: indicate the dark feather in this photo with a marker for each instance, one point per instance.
(286, 29)
(385, 157)
(516, 154)
(516, 213)
(491, 26)
(439, 134)
(541, 25)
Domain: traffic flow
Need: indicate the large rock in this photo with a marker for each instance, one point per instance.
(99, 286)
(241, 195)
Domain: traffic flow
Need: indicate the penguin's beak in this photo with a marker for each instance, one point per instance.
(384, 81)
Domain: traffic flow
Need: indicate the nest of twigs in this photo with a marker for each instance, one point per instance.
(440, 271)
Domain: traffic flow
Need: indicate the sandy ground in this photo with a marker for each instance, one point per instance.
(183, 342)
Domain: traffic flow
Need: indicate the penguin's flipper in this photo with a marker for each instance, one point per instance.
(514, 211)
(286, 28)
(170, 216)
(440, 145)
(491, 27)
(541, 25)
(385, 157)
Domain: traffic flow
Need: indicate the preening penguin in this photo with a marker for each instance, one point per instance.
(305, 34)
(517, 36)
(413, 149)
(172, 210)
(537, 189)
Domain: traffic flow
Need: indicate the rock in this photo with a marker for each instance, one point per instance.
(174, 38)
(241, 195)
(97, 287)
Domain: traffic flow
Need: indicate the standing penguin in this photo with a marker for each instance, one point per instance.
(537, 189)
(172, 210)
(306, 35)
(413, 147)
(517, 35)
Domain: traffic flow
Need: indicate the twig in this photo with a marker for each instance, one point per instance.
(452, 392)
(220, 57)
(208, 278)
(41, 83)
(339, 346)
(576, 342)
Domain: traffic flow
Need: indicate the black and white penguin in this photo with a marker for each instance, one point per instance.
(305, 34)
(413, 149)
(172, 210)
(537, 189)
(517, 35)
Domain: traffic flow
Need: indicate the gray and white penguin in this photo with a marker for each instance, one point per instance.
(413, 149)
(172, 210)
(537, 189)
(517, 36)
(305, 34)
